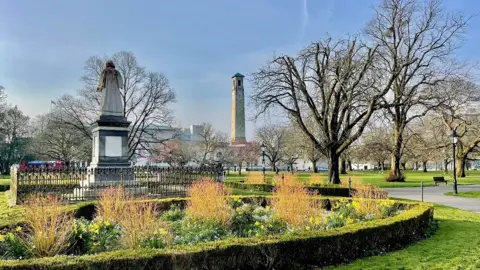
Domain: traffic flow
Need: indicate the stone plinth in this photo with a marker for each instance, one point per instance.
(110, 164)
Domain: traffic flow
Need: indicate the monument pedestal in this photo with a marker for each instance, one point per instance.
(110, 164)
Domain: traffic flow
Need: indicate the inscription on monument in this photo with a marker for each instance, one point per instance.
(113, 146)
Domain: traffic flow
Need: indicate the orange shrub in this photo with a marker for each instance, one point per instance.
(111, 203)
(356, 181)
(368, 194)
(294, 204)
(208, 201)
(285, 179)
(316, 179)
(49, 224)
(255, 178)
(139, 221)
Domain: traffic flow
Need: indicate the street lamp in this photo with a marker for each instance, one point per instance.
(454, 143)
(263, 147)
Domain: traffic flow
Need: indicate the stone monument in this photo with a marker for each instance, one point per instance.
(110, 164)
(237, 132)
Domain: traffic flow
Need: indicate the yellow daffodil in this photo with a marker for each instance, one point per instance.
(310, 220)
(317, 221)
(162, 231)
(18, 228)
(257, 223)
(267, 208)
(2, 238)
(308, 228)
(262, 227)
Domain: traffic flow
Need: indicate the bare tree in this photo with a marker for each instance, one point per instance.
(418, 39)
(246, 153)
(57, 140)
(146, 98)
(275, 141)
(175, 152)
(334, 83)
(14, 138)
(210, 141)
(459, 115)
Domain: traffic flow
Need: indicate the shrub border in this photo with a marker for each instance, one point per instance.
(318, 248)
(322, 190)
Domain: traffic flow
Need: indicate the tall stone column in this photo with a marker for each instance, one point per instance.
(237, 132)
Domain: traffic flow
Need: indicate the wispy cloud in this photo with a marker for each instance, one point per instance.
(304, 23)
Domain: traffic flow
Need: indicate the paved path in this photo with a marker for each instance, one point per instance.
(435, 195)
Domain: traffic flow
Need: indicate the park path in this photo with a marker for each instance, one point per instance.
(434, 194)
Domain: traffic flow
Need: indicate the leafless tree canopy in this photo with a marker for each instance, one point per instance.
(58, 141)
(210, 141)
(274, 138)
(146, 98)
(334, 83)
(418, 39)
(14, 130)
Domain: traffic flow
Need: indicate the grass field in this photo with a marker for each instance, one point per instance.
(466, 194)
(456, 245)
(414, 178)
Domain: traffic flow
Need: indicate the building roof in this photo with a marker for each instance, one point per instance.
(238, 75)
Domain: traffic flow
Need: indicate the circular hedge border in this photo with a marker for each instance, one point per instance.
(315, 248)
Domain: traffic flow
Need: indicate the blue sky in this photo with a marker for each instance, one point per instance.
(198, 45)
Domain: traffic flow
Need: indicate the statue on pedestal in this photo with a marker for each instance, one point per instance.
(109, 84)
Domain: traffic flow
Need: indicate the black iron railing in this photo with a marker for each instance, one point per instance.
(79, 183)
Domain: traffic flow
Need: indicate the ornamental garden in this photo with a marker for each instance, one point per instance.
(210, 228)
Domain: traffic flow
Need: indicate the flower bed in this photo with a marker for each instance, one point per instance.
(214, 231)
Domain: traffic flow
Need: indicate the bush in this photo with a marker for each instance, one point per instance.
(394, 178)
(49, 225)
(294, 204)
(4, 187)
(14, 247)
(322, 190)
(317, 248)
(111, 203)
(94, 236)
(174, 214)
(193, 231)
(208, 201)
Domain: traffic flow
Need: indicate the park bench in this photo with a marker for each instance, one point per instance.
(438, 179)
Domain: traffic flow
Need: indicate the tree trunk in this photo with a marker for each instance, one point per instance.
(343, 166)
(349, 165)
(314, 164)
(333, 166)
(395, 172)
(240, 169)
(445, 164)
(424, 164)
(383, 165)
(461, 167)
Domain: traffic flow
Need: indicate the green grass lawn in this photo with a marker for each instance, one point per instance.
(9, 215)
(456, 245)
(5, 181)
(414, 178)
(466, 194)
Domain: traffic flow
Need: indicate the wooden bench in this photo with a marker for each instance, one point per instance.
(438, 179)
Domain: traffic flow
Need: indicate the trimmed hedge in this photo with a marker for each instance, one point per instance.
(312, 248)
(322, 190)
(4, 187)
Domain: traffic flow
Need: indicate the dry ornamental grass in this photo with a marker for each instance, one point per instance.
(294, 204)
(50, 226)
(208, 201)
